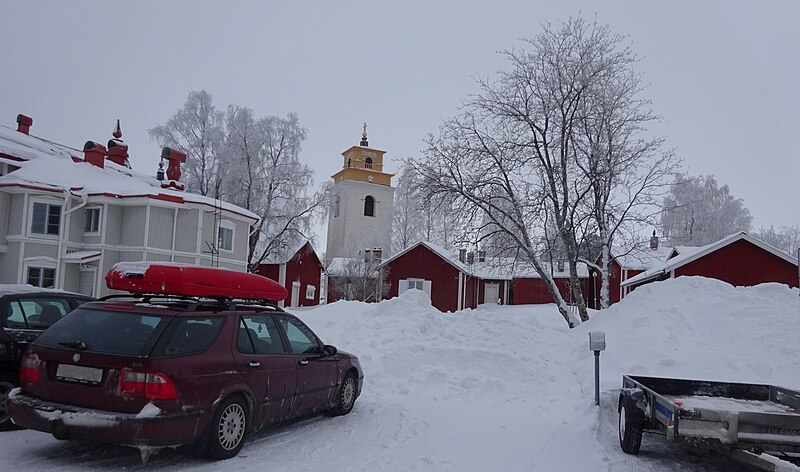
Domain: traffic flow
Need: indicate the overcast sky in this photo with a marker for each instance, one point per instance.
(724, 75)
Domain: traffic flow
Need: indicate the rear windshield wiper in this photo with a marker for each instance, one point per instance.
(74, 344)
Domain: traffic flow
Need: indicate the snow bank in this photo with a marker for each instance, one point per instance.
(504, 387)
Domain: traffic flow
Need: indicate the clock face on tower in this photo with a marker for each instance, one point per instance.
(370, 178)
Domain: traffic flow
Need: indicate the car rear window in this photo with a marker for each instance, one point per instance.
(106, 331)
(188, 336)
(35, 313)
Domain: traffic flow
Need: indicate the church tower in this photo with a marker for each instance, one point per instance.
(360, 215)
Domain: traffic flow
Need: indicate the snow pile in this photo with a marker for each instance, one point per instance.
(501, 387)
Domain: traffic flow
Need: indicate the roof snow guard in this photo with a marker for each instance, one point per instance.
(192, 281)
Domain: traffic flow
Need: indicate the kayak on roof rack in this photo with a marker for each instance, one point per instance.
(192, 281)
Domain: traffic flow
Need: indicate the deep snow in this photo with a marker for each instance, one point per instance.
(506, 388)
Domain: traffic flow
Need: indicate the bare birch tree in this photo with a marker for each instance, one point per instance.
(511, 154)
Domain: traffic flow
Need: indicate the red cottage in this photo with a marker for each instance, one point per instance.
(739, 259)
(300, 271)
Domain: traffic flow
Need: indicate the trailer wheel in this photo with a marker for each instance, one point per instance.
(630, 430)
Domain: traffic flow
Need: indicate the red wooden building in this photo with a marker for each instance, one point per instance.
(300, 271)
(739, 259)
(458, 282)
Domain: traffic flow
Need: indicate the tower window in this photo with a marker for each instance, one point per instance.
(369, 206)
(349, 162)
(336, 207)
(368, 163)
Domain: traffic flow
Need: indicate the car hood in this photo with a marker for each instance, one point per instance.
(346, 355)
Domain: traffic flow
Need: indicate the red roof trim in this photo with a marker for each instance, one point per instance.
(13, 158)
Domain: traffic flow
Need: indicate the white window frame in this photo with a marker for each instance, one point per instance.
(226, 225)
(49, 202)
(419, 284)
(310, 292)
(43, 265)
(99, 211)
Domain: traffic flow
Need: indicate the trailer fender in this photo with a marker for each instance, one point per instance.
(635, 402)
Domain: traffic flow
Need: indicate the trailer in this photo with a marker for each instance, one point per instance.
(755, 424)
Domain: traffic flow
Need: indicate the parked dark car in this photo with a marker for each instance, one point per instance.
(25, 312)
(146, 372)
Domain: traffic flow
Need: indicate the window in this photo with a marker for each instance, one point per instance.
(46, 219)
(36, 313)
(369, 206)
(225, 236)
(336, 206)
(310, 292)
(258, 334)
(368, 163)
(417, 284)
(107, 331)
(301, 339)
(91, 220)
(42, 277)
(188, 336)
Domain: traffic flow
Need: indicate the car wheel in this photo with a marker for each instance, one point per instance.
(5, 420)
(346, 398)
(228, 429)
(630, 431)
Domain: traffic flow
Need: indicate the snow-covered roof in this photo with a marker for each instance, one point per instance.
(643, 259)
(498, 268)
(13, 289)
(686, 255)
(286, 256)
(52, 167)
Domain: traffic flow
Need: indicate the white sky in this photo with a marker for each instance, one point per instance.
(723, 74)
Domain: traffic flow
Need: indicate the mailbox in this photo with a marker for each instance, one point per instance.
(597, 341)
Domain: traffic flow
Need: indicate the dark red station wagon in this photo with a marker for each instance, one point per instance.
(158, 370)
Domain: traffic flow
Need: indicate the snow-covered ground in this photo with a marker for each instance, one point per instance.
(497, 388)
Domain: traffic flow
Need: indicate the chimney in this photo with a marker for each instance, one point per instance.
(377, 253)
(462, 255)
(470, 257)
(94, 153)
(560, 266)
(24, 123)
(117, 149)
(175, 159)
(367, 255)
(481, 256)
(654, 241)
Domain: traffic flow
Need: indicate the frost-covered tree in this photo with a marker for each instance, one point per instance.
(264, 175)
(418, 216)
(697, 211)
(508, 161)
(787, 238)
(196, 130)
(627, 171)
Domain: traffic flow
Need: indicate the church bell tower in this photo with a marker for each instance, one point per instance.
(360, 215)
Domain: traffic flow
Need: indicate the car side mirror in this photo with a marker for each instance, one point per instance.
(329, 350)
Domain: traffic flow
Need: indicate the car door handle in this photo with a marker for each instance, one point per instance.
(254, 364)
(303, 362)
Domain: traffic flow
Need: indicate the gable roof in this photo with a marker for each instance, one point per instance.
(686, 255)
(47, 166)
(501, 268)
(289, 254)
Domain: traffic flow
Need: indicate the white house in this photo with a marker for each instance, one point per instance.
(68, 215)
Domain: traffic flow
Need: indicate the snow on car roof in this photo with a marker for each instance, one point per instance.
(14, 289)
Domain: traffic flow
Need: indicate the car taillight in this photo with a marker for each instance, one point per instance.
(29, 369)
(152, 386)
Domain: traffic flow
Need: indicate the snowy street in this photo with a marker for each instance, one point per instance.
(500, 388)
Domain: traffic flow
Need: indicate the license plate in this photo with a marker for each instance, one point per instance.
(79, 374)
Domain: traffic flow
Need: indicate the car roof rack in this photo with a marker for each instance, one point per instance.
(195, 303)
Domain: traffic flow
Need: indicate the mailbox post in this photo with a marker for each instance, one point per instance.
(597, 343)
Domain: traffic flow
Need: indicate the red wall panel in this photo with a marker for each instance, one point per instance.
(422, 263)
(742, 263)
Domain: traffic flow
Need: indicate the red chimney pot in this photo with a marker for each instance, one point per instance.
(94, 153)
(175, 159)
(24, 123)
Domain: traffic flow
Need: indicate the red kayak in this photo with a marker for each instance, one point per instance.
(191, 281)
